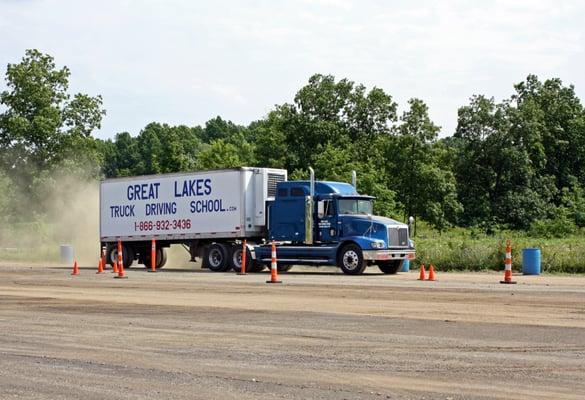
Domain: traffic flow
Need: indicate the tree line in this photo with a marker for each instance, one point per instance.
(517, 164)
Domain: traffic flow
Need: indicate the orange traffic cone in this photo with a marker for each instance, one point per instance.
(103, 258)
(152, 256)
(121, 274)
(431, 273)
(508, 265)
(115, 267)
(423, 274)
(243, 262)
(508, 277)
(75, 269)
(273, 267)
(100, 267)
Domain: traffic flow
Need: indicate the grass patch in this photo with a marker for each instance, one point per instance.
(31, 241)
(467, 250)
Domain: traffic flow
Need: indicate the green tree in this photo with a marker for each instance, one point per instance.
(122, 157)
(218, 128)
(159, 148)
(573, 200)
(517, 157)
(218, 155)
(552, 121)
(6, 199)
(269, 138)
(425, 185)
(326, 111)
(43, 125)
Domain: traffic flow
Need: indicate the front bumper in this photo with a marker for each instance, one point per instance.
(383, 255)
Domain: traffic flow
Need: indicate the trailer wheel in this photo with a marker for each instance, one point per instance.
(127, 255)
(390, 267)
(236, 259)
(216, 257)
(111, 254)
(161, 258)
(351, 260)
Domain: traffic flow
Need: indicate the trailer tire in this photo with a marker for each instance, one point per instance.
(351, 260)
(111, 254)
(161, 258)
(235, 260)
(127, 255)
(390, 267)
(216, 257)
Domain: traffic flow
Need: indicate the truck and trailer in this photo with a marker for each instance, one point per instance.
(210, 213)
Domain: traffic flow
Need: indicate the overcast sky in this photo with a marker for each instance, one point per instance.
(184, 62)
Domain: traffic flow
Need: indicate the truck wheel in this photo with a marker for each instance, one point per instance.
(216, 257)
(161, 258)
(390, 267)
(127, 255)
(255, 267)
(284, 267)
(236, 259)
(351, 260)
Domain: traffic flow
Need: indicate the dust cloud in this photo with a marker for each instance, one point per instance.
(73, 214)
(179, 258)
(70, 216)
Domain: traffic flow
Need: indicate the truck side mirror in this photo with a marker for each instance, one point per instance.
(410, 225)
(320, 209)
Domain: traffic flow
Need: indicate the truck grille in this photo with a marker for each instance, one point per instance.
(398, 237)
(273, 179)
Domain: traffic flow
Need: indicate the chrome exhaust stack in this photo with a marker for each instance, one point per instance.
(309, 200)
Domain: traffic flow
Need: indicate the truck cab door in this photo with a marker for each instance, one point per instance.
(327, 229)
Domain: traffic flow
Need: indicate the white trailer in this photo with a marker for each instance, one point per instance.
(209, 212)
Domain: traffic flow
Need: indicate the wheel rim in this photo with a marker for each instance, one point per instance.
(237, 258)
(350, 260)
(114, 256)
(215, 258)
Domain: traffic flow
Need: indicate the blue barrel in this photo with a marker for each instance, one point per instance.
(67, 253)
(405, 266)
(531, 261)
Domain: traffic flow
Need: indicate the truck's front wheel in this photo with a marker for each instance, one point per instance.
(216, 257)
(390, 267)
(351, 260)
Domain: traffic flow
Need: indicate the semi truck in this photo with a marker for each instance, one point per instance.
(211, 213)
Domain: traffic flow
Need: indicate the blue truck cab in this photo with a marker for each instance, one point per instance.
(329, 223)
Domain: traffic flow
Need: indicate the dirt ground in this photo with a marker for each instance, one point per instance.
(192, 334)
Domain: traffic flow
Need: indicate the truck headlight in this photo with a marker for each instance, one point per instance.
(378, 244)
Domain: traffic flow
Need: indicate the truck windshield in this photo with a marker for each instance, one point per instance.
(355, 206)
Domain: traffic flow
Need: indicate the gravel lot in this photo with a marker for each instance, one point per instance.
(192, 334)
